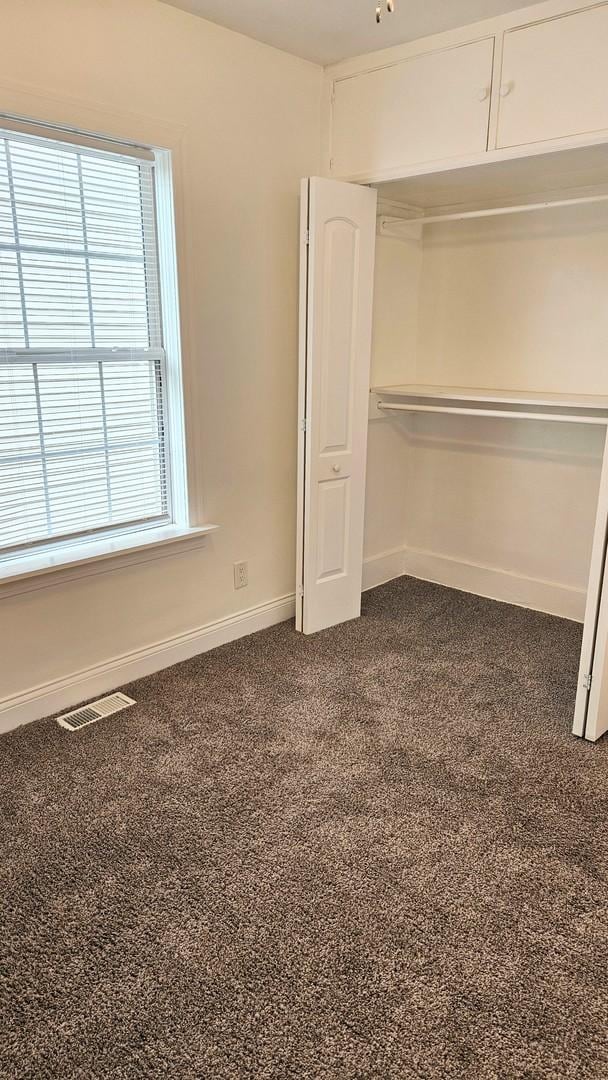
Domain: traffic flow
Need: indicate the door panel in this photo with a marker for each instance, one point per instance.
(553, 81)
(338, 354)
(335, 352)
(422, 109)
(333, 528)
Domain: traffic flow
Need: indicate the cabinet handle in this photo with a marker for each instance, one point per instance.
(483, 93)
(336, 468)
(506, 89)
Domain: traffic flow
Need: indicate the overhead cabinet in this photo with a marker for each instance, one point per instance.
(431, 106)
(515, 86)
(553, 80)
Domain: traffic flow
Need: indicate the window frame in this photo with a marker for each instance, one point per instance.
(160, 262)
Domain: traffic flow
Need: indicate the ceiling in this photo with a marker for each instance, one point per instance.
(329, 30)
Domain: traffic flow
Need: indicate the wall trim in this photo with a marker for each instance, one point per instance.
(377, 569)
(69, 691)
(94, 560)
(503, 585)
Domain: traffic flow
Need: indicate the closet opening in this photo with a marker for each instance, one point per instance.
(489, 390)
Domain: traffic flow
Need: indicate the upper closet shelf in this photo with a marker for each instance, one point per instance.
(536, 181)
(476, 401)
(401, 227)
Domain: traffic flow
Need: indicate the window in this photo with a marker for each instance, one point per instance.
(83, 422)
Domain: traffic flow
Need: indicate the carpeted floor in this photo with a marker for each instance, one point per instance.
(376, 852)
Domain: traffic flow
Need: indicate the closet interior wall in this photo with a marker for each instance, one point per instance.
(501, 507)
(394, 347)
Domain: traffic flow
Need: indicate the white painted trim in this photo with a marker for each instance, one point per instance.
(377, 569)
(502, 585)
(485, 157)
(28, 573)
(172, 366)
(80, 686)
(496, 584)
(302, 380)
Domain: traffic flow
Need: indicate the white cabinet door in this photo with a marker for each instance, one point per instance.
(337, 283)
(554, 81)
(425, 108)
(591, 713)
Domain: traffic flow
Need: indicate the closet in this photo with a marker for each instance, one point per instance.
(454, 335)
(453, 401)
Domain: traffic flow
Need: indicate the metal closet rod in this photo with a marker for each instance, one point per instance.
(496, 211)
(507, 414)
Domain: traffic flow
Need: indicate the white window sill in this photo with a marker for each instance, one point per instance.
(82, 559)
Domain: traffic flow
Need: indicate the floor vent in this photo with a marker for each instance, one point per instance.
(95, 710)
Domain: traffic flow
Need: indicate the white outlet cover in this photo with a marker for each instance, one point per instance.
(241, 575)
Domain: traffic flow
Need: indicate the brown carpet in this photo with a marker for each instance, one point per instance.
(376, 852)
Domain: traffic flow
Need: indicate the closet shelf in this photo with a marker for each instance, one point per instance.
(399, 227)
(477, 401)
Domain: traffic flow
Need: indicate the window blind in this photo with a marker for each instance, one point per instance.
(83, 446)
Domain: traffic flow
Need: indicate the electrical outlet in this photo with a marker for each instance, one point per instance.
(241, 575)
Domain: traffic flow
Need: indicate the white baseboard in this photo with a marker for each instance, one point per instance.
(503, 585)
(377, 569)
(65, 693)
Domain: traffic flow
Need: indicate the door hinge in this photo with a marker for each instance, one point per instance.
(304, 424)
(587, 680)
(307, 238)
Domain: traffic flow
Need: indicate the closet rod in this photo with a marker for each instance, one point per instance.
(567, 418)
(496, 211)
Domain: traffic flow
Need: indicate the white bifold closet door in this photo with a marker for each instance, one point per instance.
(338, 228)
(591, 713)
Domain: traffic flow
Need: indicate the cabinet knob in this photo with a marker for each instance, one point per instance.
(506, 89)
(483, 93)
(336, 468)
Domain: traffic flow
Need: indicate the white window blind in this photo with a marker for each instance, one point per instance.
(82, 429)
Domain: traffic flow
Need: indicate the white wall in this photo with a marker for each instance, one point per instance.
(504, 508)
(394, 344)
(501, 507)
(517, 301)
(397, 283)
(244, 123)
